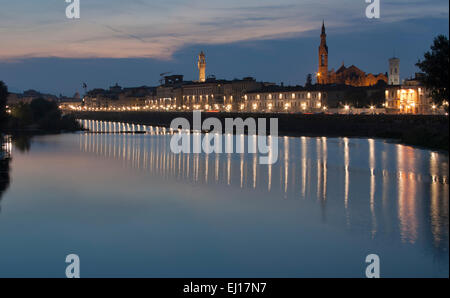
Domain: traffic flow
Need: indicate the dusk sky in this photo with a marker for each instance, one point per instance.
(132, 42)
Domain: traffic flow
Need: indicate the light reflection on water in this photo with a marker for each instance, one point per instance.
(301, 172)
(324, 198)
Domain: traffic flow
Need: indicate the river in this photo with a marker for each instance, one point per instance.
(129, 207)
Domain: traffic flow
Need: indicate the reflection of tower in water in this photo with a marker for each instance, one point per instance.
(322, 174)
(407, 205)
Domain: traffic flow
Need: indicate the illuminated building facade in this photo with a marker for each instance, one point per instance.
(212, 94)
(206, 96)
(409, 98)
(287, 100)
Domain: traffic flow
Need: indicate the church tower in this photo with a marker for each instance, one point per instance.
(394, 71)
(202, 67)
(322, 74)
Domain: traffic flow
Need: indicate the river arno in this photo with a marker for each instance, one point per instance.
(130, 208)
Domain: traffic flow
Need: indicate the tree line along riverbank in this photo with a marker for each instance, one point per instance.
(428, 131)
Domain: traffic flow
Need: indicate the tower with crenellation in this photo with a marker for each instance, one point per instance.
(202, 67)
(394, 71)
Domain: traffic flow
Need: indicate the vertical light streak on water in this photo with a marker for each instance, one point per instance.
(319, 168)
(254, 172)
(269, 166)
(347, 178)
(407, 206)
(372, 161)
(304, 151)
(286, 164)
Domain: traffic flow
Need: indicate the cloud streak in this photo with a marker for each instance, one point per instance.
(159, 28)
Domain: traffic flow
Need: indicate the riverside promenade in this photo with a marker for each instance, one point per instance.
(428, 131)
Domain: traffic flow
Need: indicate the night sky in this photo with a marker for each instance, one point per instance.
(132, 42)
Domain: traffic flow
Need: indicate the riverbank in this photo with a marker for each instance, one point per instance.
(427, 131)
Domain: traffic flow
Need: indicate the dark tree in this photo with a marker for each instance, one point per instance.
(41, 108)
(435, 66)
(3, 99)
(22, 114)
(43, 115)
(48, 117)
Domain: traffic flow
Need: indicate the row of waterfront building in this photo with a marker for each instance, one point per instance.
(347, 90)
(249, 95)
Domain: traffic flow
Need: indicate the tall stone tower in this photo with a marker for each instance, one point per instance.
(394, 71)
(202, 67)
(322, 74)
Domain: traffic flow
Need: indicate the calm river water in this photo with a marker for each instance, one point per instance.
(130, 208)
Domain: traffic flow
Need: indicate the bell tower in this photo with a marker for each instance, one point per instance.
(322, 74)
(202, 67)
(394, 71)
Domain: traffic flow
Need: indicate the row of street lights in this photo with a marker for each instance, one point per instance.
(228, 108)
